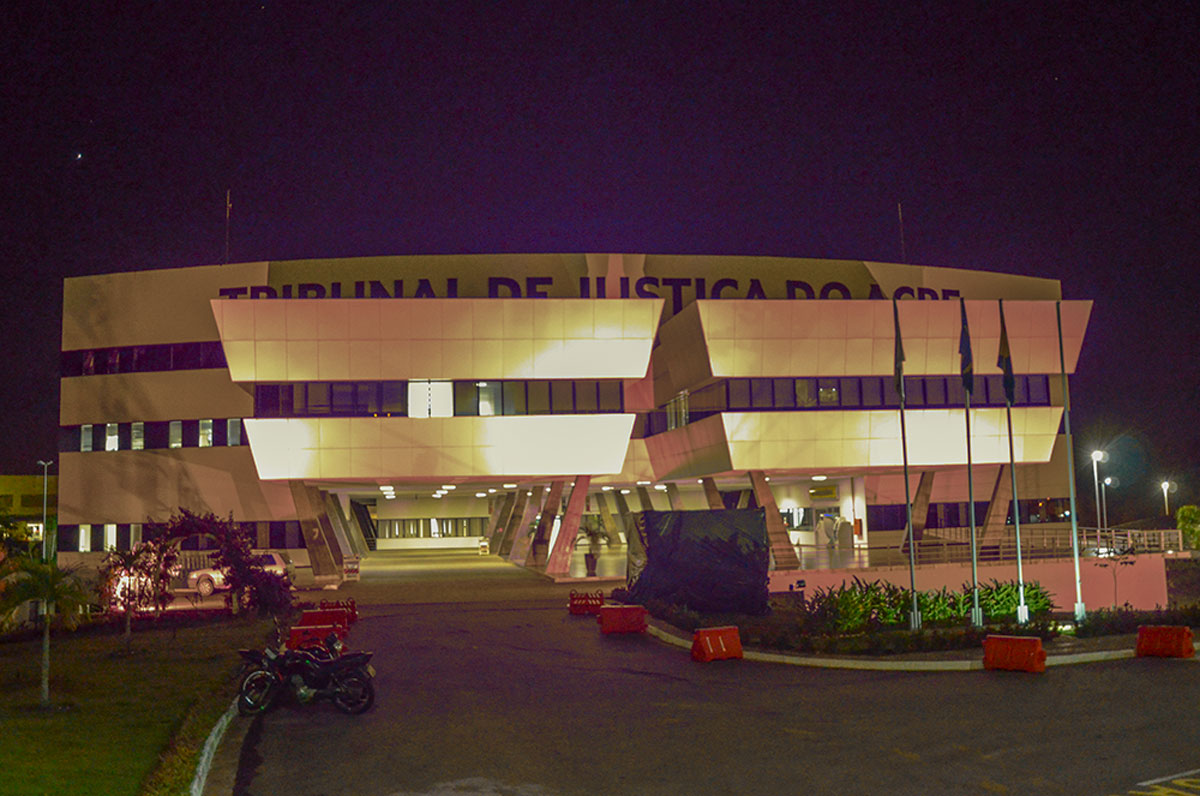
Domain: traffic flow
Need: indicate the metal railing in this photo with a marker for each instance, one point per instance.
(949, 546)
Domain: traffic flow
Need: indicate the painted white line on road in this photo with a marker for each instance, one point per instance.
(210, 748)
(1180, 775)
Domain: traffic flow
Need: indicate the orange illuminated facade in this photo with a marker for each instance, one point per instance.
(341, 406)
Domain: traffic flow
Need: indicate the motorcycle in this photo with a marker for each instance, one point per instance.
(308, 674)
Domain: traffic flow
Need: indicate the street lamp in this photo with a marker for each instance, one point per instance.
(45, 478)
(1097, 457)
(1107, 482)
(1166, 486)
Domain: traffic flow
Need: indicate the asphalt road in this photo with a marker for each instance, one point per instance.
(517, 697)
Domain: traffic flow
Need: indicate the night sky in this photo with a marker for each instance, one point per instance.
(1051, 139)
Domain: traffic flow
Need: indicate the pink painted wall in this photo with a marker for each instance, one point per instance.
(1143, 584)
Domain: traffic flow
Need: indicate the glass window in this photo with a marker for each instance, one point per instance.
(135, 535)
(514, 397)
(760, 394)
(849, 389)
(539, 398)
(562, 398)
(1039, 390)
(233, 431)
(1021, 391)
(872, 391)
(317, 399)
(441, 399)
(266, 400)
(114, 360)
(466, 399)
(110, 437)
(739, 393)
(914, 391)
(175, 434)
(366, 401)
(341, 399)
(85, 538)
(806, 393)
(827, 392)
(785, 394)
(110, 536)
(890, 398)
(935, 391)
(489, 397)
(585, 396)
(205, 439)
(995, 390)
(85, 437)
(392, 398)
(609, 396)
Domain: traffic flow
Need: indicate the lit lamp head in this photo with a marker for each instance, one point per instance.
(1099, 456)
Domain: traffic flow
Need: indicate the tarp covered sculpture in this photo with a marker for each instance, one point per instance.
(711, 561)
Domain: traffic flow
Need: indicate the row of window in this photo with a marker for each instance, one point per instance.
(857, 392)
(957, 515)
(143, 358)
(26, 502)
(152, 435)
(100, 537)
(437, 398)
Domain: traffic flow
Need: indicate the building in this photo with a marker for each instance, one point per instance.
(23, 499)
(424, 401)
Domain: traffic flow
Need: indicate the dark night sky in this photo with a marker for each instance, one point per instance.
(1056, 139)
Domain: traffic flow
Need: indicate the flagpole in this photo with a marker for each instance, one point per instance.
(914, 617)
(1004, 360)
(1080, 608)
(967, 366)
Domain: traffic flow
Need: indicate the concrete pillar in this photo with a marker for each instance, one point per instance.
(539, 540)
(510, 525)
(323, 551)
(606, 519)
(635, 555)
(744, 499)
(673, 497)
(522, 536)
(559, 562)
(712, 494)
(993, 521)
(499, 519)
(777, 536)
(920, 509)
(644, 498)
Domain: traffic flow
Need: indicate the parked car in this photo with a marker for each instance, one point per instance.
(209, 579)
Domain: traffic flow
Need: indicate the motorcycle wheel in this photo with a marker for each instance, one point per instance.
(355, 693)
(257, 693)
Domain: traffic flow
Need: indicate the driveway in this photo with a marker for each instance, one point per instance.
(515, 696)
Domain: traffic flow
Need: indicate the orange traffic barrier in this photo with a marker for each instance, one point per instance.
(1165, 641)
(1017, 653)
(325, 616)
(716, 643)
(313, 635)
(583, 602)
(349, 606)
(622, 619)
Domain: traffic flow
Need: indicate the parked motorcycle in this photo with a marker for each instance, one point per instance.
(309, 674)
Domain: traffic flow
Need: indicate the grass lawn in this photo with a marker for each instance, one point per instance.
(123, 724)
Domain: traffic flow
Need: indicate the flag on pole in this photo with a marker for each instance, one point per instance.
(899, 363)
(966, 362)
(1004, 358)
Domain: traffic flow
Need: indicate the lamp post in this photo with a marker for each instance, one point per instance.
(1166, 486)
(1097, 457)
(45, 478)
(1107, 482)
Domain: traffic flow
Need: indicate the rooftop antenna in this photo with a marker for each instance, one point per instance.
(903, 249)
(228, 208)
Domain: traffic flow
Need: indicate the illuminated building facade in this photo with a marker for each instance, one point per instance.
(401, 402)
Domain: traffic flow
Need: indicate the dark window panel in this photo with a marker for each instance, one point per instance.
(585, 396)
(610, 396)
(872, 391)
(935, 391)
(266, 400)
(562, 398)
(850, 390)
(394, 398)
(739, 393)
(785, 393)
(466, 399)
(71, 363)
(538, 401)
(806, 393)
(761, 394)
(1039, 390)
(341, 398)
(827, 392)
(157, 434)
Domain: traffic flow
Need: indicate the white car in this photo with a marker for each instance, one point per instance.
(209, 579)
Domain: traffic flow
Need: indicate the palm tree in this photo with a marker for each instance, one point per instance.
(27, 578)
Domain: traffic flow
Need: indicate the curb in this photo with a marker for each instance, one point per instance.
(894, 666)
(204, 764)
